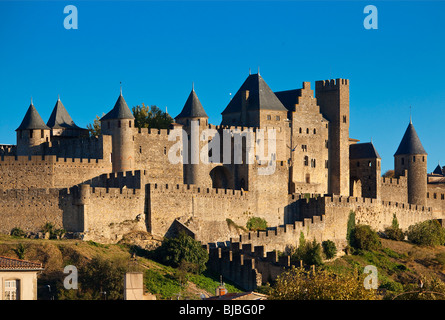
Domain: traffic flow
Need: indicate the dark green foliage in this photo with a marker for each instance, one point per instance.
(329, 249)
(364, 238)
(100, 275)
(309, 252)
(394, 232)
(427, 233)
(151, 117)
(20, 251)
(182, 248)
(350, 225)
(53, 232)
(256, 223)
(17, 232)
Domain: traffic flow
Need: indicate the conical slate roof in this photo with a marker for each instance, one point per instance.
(261, 97)
(438, 170)
(410, 143)
(363, 151)
(60, 118)
(192, 108)
(32, 120)
(119, 111)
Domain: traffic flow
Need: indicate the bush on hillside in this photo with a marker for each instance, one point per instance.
(427, 233)
(182, 248)
(394, 232)
(364, 238)
(329, 249)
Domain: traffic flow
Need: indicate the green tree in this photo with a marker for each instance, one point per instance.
(309, 252)
(350, 226)
(103, 279)
(94, 128)
(394, 232)
(364, 238)
(427, 233)
(173, 251)
(329, 249)
(151, 117)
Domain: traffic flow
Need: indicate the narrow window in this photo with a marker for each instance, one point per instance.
(300, 130)
(414, 158)
(326, 164)
(435, 196)
(307, 130)
(315, 131)
(30, 133)
(42, 134)
(403, 161)
(308, 178)
(165, 150)
(129, 123)
(306, 161)
(369, 164)
(344, 119)
(119, 124)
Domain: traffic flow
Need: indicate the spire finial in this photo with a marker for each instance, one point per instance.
(120, 83)
(193, 86)
(31, 100)
(58, 97)
(410, 117)
(258, 70)
(250, 71)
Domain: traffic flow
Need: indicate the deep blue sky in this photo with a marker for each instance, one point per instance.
(158, 48)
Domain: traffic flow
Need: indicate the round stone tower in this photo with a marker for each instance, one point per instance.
(194, 119)
(119, 123)
(411, 157)
(32, 133)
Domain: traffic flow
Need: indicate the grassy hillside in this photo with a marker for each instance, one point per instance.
(163, 281)
(401, 266)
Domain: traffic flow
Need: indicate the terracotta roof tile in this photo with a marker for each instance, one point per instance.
(7, 263)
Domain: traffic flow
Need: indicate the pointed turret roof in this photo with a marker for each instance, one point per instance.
(60, 118)
(119, 111)
(410, 143)
(364, 150)
(32, 120)
(261, 97)
(192, 108)
(438, 170)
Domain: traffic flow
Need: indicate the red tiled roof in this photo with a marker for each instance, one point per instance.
(7, 263)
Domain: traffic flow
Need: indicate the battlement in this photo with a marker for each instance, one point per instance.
(331, 84)
(154, 132)
(46, 160)
(193, 189)
(32, 192)
(402, 181)
(114, 192)
(130, 179)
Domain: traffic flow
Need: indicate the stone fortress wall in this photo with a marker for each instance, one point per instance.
(73, 185)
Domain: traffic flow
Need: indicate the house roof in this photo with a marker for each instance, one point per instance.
(192, 108)
(119, 111)
(364, 150)
(261, 97)
(32, 120)
(11, 264)
(410, 143)
(60, 118)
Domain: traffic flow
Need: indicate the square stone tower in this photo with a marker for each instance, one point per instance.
(333, 99)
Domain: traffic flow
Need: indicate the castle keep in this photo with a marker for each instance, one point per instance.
(102, 187)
